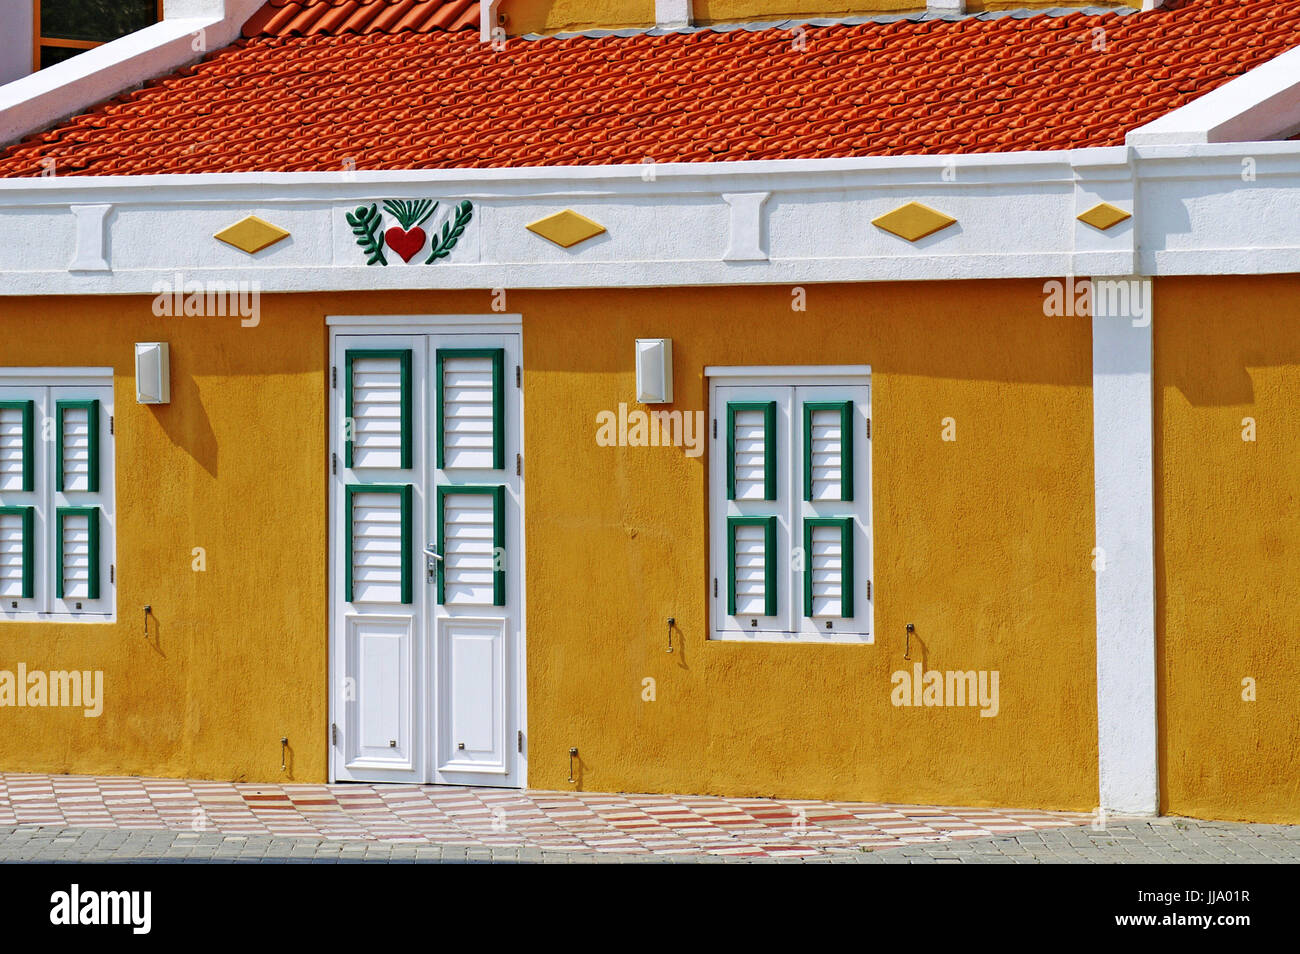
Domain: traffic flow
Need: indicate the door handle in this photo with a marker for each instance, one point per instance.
(431, 558)
(431, 553)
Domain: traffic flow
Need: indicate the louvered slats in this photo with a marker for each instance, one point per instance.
(751, 451)
(828, 571)
(77, 539)
(78, 446)
(16, 553)
(828, 451)
(471, 540)
(17, 441)
(751, 557)
(379, 564)
(471, 401)
(379, 402)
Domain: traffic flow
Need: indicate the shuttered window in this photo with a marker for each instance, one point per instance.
(377, 430)
(57, 515)
(790, 498)
(471, 408)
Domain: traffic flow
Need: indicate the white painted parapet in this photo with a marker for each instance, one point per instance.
(788, 221)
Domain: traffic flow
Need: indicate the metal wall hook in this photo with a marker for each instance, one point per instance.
(672, 621)
(573, 754)
(284, 749)
(907, 650)
(147, 611)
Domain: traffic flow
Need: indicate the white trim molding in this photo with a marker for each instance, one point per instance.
(1124, 558)
(1263, 104)
(190, 29)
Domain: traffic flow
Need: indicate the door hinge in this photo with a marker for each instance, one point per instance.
(334, 376)
(110, 423)
(334, 733)
(715, 428)
(715, 587)
(334, 463)
(519, 465)
(868, 428)
(112, 573)
(519, 376)
(519, 740)
(868, 589)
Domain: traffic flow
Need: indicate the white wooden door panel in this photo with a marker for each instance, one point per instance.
(426, 558)
(472, 667)
(379, 728)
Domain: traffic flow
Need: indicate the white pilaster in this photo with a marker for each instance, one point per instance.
(1125, 559)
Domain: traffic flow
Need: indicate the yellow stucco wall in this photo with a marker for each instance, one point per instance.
(984, 543)
(1228, 534)
(558, 16)
(236, 656)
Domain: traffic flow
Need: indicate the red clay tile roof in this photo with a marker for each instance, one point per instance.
(335, 17)
(407, 99)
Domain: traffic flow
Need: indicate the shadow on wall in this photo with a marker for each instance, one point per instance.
(190, 430)
(1200, 367)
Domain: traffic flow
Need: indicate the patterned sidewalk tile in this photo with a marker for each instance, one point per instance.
(502, 819)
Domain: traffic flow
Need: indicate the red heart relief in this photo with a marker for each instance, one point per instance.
(405, 243)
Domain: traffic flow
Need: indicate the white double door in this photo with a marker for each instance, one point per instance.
(426, 559)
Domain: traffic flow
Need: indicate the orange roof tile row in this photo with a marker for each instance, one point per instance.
(440, 99)
(334, 17)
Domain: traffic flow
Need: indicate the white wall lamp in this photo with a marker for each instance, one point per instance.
(153, 379)
(654, 370)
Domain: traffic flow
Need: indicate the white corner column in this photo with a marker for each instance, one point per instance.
(672, 13)
(1123, 438)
